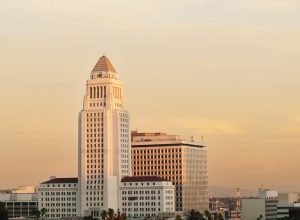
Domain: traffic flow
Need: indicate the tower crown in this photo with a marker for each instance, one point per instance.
(104, 65)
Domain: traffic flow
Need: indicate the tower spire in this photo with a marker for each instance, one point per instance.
(104, 65)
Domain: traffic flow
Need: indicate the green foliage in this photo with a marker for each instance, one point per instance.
(195, 215)
(43, 212)
(220, 217)
(178, 217)
(36, 213)
(3, 212)
(110, 213)
(88, 217)
(103, 214)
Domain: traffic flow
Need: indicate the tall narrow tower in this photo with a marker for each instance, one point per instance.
(104, 141)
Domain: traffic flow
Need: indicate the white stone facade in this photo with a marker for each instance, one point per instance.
(60, 197)
(104, 141)
(147, 196)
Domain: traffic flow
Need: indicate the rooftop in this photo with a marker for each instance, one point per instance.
(62, 180)
(104, 65)
(142, 179)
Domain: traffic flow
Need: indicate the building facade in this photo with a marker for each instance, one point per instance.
(253, 208)
(172, 158)
(59, 196)
(104, 141)
(20, 202)
(264, 207)
(147, 196)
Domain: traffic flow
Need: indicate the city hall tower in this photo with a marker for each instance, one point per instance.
(104, 141)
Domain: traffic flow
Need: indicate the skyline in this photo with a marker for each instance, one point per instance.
(227, 72)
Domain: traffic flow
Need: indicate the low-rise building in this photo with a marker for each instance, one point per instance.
(287, 201)
(60, 197)
(146, 196)
(19, 203)
(288, 197)
(264, 207)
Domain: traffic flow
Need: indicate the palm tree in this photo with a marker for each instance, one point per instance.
(207, 215)
(110, 214)
(3, 212)
(195, 215)
(123, 216)
(103, 214)
(36, 213)
(43, 212)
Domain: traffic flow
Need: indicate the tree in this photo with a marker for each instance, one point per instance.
(103, 214)
(110, 214)
(123, 216)
(88, 217)
(207, 215)
(36, 213)
(195, 215)
(43, 212)
(220, 216)
(120, 216)
(216, 216)
(178, 217)
(3, 212)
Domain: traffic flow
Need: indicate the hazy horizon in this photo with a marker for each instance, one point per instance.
(225, 70)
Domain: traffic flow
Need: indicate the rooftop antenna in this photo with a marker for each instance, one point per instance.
(238, 197)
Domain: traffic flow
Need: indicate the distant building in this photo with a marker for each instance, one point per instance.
(175, 159)
(283, 209)
(147, 196)
(253, 209)
(19, 202)
(24, 189)
(264, 207)
(287, 201)
(60, 197)
(288, 197)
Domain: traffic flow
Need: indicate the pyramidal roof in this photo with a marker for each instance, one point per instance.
(104, 65)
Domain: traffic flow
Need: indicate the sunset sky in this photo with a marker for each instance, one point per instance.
(226, 70)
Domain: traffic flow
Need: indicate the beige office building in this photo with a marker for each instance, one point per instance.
(173, 158)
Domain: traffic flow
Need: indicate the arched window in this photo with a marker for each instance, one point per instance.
(91, 92)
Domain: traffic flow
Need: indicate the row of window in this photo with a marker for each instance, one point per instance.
(97, 92)
(140, 203)
(117, 92)
(60, 215)
(94, 187)
(94, 204)
(58, 185)
(94, 176)
(57, 204)
(141, 209)
(58, 193)
(159, 151)
(94, 192)
(59, 199)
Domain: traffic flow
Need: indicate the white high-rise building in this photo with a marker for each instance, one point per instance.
(104, 141)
